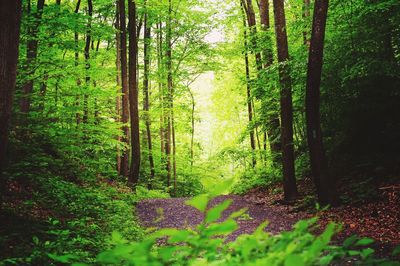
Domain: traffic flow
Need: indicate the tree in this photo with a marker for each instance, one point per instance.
(169, 95)
(248, 90)
(124, 82)
(31, 55)
(323, 181)
(133, 95)
(289, 179)
(87, 60)
(10, 19)
(273, 123)
(146, 87)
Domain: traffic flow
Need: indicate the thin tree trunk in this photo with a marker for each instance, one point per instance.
(78, 81)
(118, 80)
(124, 83)
(248, 90)
(289, 179)
(273, 123)
(87, 61)
(133, 95)
(160, 88)
(192, 129)
(146, 88)
(10, 19)
(323, 181)
(31, 56)
(169, 97)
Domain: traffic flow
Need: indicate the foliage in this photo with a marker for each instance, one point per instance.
(206, 244)
(253, 178)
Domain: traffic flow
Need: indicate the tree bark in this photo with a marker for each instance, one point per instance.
(124, 83)
(146, 88)
(248, 89)
(87, 60)
(31, 56)
(133, 95)
(78, 81)
(289, 179)
(118, 80)
(323, 181)
(273, 123)
(10, 19)
(160, 88)
(169, 98)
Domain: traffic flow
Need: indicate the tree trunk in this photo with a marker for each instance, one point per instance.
(87, 62)
(192, 129)
(133, 95)
(248, 89)
(289, 179)
(323, 181)
(124, 83)
(31, 56)
(118, 80)
(78, 81)
(160, 88)
(273, 123)
(146, 88)
(169, 98)
(10, 19)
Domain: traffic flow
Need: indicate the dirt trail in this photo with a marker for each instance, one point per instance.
(176, 214)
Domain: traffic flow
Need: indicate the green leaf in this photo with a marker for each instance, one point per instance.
(326, 260)
(63, 258)
(223, 228)
(353, 252)
(396, 251)
(294, 260)
(364, 242)
(117, 238)
(199, 202)
(350, 241)
(216, 212)
(222, 187)
(366, 252)
(238, 213)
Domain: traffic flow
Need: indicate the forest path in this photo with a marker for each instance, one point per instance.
(176, 214)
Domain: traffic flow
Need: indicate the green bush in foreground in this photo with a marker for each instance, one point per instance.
(206, 244)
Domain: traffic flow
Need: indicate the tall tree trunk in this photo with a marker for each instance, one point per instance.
(133, 95)
(31, 56)
(78, 81)
(87, 60)
(248, 89)
(169, 98)
(146, 88)
(124, 83)
(118, 80)
(10, 19)
(273, 123)
(323, 181)
(160, 87)
(289, 179)
(192, 129)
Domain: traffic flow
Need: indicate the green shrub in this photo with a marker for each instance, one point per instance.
(206, 244)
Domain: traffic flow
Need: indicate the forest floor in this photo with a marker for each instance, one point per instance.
(174, 213)
(379, 219)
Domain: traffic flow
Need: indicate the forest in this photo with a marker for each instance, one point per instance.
(200, 132)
